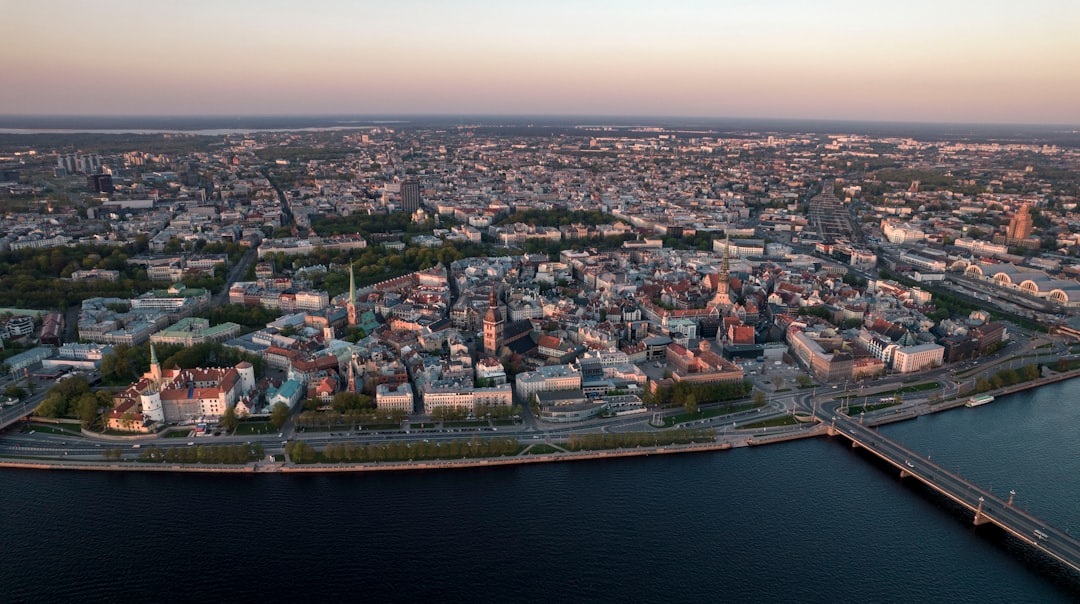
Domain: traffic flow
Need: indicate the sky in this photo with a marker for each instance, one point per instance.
(986, 61)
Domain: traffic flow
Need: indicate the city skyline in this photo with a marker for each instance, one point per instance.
(957, 62)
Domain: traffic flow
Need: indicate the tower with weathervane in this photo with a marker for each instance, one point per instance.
(493, 326)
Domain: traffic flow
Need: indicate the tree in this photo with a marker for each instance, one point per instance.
(300, 452)
(759, 399)
(87, 408)
(803, 380)
(690, 403)
(1029, 372)
(279, 414)
(54, 405)
(345, 401)
(228, 420)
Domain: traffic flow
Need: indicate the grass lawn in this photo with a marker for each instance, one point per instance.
(543, 449)
(706, 413)
(919, 387)
(55, 429)
(177, 434)
(785, 420)
(122, 433)
(245, 428)
(869, 408)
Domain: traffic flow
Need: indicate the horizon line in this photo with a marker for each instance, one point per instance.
(615, 116)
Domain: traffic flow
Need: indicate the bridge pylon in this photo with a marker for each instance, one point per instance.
(979, 518)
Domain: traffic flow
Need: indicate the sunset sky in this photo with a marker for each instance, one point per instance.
(987, 61)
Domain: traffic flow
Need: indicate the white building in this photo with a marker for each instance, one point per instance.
(394, 397)
(544, 379)
(908, 359)
(899, 233)
(18, 326)
(436, 397)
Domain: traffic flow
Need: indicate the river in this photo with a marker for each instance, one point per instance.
(807, 521)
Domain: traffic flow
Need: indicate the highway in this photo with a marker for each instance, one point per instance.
(44, 444)
(986, 507)
(13, 413)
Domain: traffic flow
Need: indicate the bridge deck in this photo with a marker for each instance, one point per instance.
(987, 507)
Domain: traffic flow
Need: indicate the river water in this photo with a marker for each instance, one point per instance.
(806, 521)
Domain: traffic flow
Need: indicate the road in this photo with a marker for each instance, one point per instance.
(77, 446)
(13, 413)
(234, 274)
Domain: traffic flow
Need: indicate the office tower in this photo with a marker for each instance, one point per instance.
(410, 196)
(1020, 226)
(100, 183)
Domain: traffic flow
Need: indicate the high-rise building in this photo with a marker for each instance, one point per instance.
(410, 196)
(1020, 226)
(100, 183)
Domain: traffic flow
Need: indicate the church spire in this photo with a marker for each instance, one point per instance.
(350, 308)
(155, 368)
(725, 267)
(352, 286)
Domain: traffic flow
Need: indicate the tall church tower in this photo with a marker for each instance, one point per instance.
(493, 326)
(352, 374)
(354, 319)
(725, 269)
(722, 298)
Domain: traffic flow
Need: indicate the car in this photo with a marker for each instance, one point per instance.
(908, 463)
(191, 444)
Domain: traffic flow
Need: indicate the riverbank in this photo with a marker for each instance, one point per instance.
(736, 440)
(285, 468)
(883, 416)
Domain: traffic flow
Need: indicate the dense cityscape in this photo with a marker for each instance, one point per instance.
(399, 276)
(394, 297)
(533, 302)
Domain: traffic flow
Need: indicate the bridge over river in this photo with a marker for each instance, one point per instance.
(985, 506)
